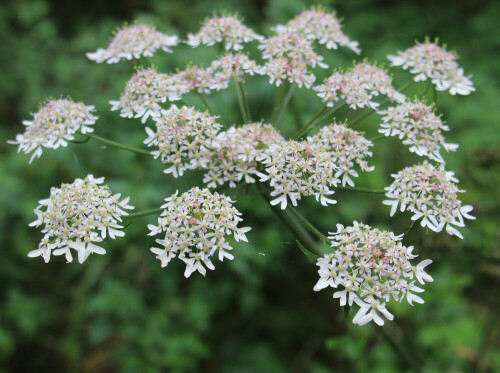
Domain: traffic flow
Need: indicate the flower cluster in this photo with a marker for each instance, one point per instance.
(372, 266)
(226, 29)
(288, 57)
(76, 216)
(196, 79)
(316, 24)
(348, 149)
(295, 169)
(431, 195)
(183, 137)
(235, 158)
(346, 86)
(195, 226)
(430, 61)
(376, 80)
(145, 92)
(233, 66)
(54, 125)
(418, 126)
(134, 41)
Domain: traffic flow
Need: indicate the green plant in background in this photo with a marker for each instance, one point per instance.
(165, 322)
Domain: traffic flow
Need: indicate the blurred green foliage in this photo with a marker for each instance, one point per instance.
(258, 313)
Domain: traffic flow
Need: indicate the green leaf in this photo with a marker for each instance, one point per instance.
(307, 252)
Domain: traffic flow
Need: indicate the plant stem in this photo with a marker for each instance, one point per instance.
(410, 227)
(289, 221)
(381, 136)
(363, 189)
(284, 104)
(240, 101)
(185, 102)
(117, 144)
(305, 128)
(143, 213)
(209, 108)
(279, 100)
(309, 225)
(245, 101)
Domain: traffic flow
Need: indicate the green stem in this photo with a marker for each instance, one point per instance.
(363, 189)
(209, 108)
(245, 101)
(381, 136)
(185, 102)
(284, 104)
(308, 225)
(289, 221)
(240, 102)
(117, 144)
(410, 227)
(304, 129)
(279, 100)
(143, 213)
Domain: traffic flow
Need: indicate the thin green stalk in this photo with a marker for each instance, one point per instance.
(308, 225)
(289, 221)
(209, 108)
(143, 213)
(363, 189)
(279, 100)
(117, 144)
(381, 136)
(284, 104)
(304, 129)
(185, 102)
(245, 101)
(240, 102)
(435, 95)
(313, 124)
(410, 227)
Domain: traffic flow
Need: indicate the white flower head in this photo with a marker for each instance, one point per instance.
(227, 29)
(348, 149)
(376, 80)
(235, 157)
(428, 60)
(134, 41)
(295, 169)
(53, 125)
(431, 194)
(145, 92)
(371, 267)
(317, 24)
(184, 137)
(289, 57)
(195, 227)
(232, 66)
(76, 216)
(419, 127)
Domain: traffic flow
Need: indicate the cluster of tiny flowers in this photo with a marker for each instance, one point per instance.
(232, 66)
(145, 92)
(377, 81)
(372, 266)
(195, 226)
(54, 125)
(236, 156)
(196, 79)
(76, 216)
(183, 137)
(295, 169)
(430, 61)
(316, 24)
(134, 41)
(346, 86)
(348, 148)
(226, 29)
(288, 57)
(431, 195)
(418, 126)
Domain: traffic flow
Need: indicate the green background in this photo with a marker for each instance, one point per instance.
(123, 313)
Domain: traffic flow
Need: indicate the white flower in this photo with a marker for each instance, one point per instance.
(194, 226)
(134, 41)
(431, 195)
(370, 266)
(185, 139)
(227, 29)
(418, 126)
(317, 24)
(428, 60)
(54, 125)
(76, 216)
(348, 149)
